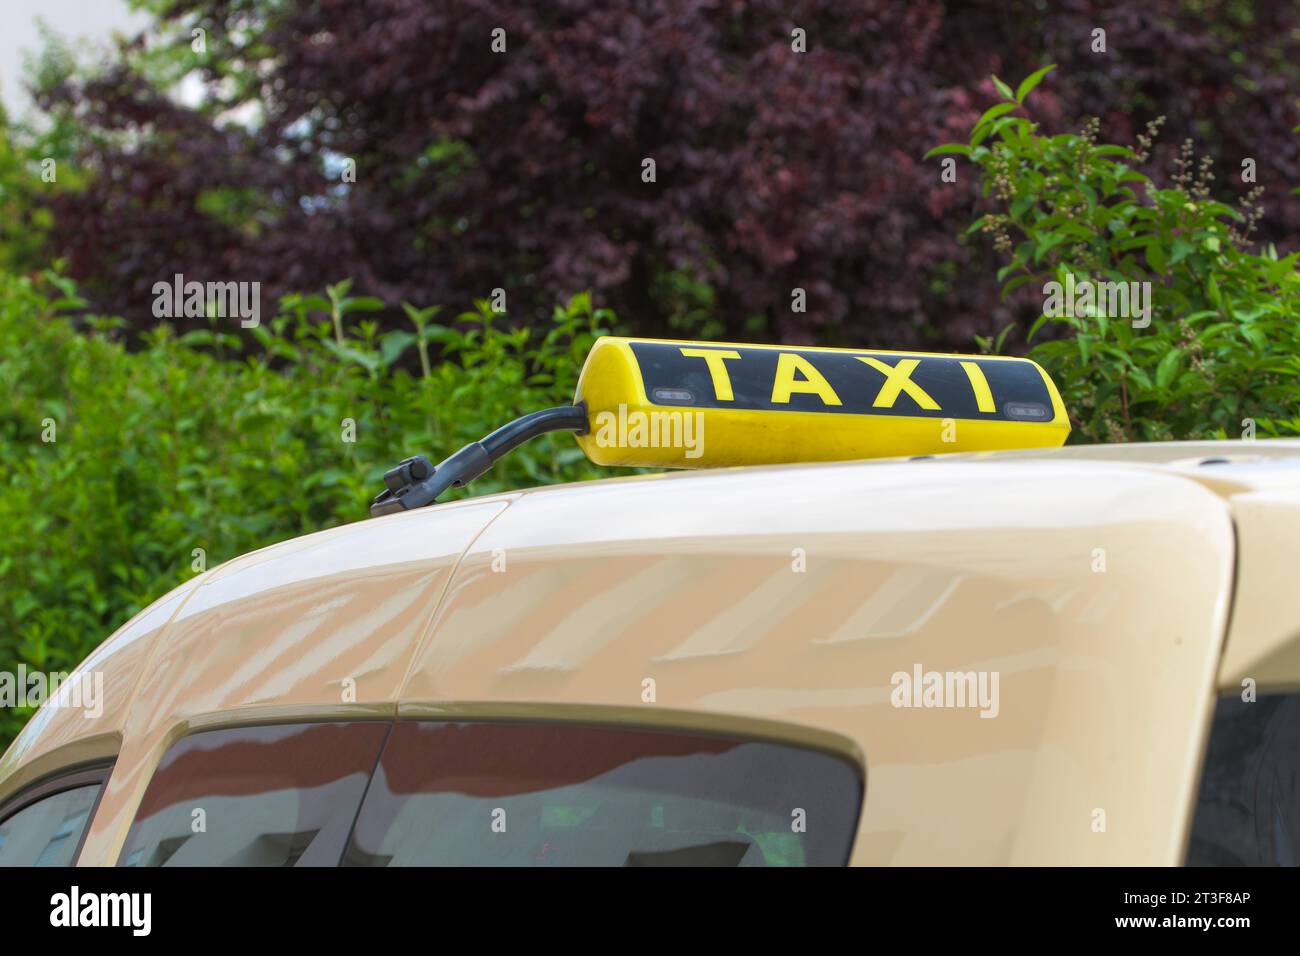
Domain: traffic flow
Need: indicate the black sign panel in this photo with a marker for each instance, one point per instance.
(858, 383)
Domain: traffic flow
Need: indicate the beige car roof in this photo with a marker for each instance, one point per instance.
(776, 601)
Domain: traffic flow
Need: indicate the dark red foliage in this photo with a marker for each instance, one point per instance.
(775, 169)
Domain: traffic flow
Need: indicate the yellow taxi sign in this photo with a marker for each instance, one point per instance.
(677, 404)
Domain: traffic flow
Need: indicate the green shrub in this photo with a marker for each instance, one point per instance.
(199, 442)
(23, 220)
(1222, 350)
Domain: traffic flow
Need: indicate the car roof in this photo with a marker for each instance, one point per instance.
(679, 578)
(364, 560)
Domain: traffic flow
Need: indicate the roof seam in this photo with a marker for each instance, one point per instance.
(154, 649)
(427, 635)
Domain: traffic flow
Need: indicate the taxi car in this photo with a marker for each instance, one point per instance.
(882, 617)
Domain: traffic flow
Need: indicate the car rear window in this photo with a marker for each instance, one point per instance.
(255, 796)
(1248, 806)
(562, 794)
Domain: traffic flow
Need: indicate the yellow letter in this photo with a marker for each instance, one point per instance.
(897, 379)
(980, 386)
(717, 369)
(812, 382)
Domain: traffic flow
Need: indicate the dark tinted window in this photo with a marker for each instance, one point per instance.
(570, 795)
(48, 831)
(1248, 809)
(255, 796)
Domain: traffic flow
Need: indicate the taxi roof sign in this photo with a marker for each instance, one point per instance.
(665, 404)
(679, 404)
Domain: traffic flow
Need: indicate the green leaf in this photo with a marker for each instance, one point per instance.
(364, 303)
(1047, 243)
(992, 113)
(338, 290)
(1038, 324)
(198, 338)
(949, 148)
(1156, 257)
(1002, 123)
(1168, 367)
(1002, 337)
(393, 344)
(311, 303)
(1003, 90)
(1212, 289)
(995, 112)
(1032, 80)
(1013, 284)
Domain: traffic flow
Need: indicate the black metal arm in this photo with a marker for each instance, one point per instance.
(415, 482)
